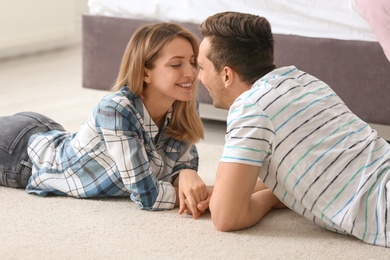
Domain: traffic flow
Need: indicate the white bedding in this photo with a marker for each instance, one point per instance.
(337, 19)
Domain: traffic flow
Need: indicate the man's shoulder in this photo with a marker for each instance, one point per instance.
(278, 73)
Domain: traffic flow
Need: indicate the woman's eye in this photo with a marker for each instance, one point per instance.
(175, 65)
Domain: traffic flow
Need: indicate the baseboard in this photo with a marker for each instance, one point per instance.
(208, 111)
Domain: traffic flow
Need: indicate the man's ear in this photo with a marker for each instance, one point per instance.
(228, 76)
(147, 78)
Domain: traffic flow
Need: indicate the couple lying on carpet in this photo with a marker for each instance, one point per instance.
(290, 140)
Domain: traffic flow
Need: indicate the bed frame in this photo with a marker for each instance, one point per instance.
(358, 71)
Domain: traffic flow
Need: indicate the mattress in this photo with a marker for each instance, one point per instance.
(334, 19)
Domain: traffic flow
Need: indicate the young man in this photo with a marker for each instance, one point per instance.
(292, 131)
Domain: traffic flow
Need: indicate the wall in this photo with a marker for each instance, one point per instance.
(37, 25)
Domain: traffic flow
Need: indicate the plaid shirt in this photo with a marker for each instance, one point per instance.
(113, 154)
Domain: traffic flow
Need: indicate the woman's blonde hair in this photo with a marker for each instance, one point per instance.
(141, 52)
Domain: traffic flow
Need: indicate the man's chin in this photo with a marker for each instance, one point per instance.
(220, 106)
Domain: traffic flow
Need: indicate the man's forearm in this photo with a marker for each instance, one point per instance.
(261, 203)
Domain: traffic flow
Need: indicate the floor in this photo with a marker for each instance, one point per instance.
(51, 83)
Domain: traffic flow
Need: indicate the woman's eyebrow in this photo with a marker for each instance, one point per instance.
(180, 57)
(177, 57)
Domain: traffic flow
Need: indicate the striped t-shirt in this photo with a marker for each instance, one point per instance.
(318, 157)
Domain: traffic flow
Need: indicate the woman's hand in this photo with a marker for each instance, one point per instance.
(192, 190)
(204, 205)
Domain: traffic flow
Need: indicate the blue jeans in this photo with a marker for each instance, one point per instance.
(15, 164)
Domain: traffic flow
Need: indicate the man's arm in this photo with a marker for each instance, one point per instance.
(234, 204)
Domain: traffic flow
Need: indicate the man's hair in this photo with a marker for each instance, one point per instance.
(241, 41)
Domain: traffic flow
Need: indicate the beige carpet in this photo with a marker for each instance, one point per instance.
(33, 227)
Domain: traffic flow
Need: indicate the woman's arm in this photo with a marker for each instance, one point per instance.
(121, 133)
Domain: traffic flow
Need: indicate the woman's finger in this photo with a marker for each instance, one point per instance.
(182, 203)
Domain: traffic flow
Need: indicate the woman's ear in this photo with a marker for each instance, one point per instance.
(147, 78)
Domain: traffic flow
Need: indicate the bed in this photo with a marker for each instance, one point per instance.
(342, 42)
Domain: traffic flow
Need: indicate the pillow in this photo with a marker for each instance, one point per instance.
(377, 15)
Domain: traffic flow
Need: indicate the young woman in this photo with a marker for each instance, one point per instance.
(138, 142)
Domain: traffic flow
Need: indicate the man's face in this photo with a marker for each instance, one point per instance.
(210, 78)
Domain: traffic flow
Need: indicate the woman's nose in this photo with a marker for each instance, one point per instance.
(190, 71)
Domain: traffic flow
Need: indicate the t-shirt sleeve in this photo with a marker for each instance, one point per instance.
(249, 134)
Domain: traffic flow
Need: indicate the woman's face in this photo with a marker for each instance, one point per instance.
(173, 74)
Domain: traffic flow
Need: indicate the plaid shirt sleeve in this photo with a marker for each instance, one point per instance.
(121, 131)
(188, 157)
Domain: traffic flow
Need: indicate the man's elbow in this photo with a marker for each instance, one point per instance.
(223, 225)
(224, 221)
